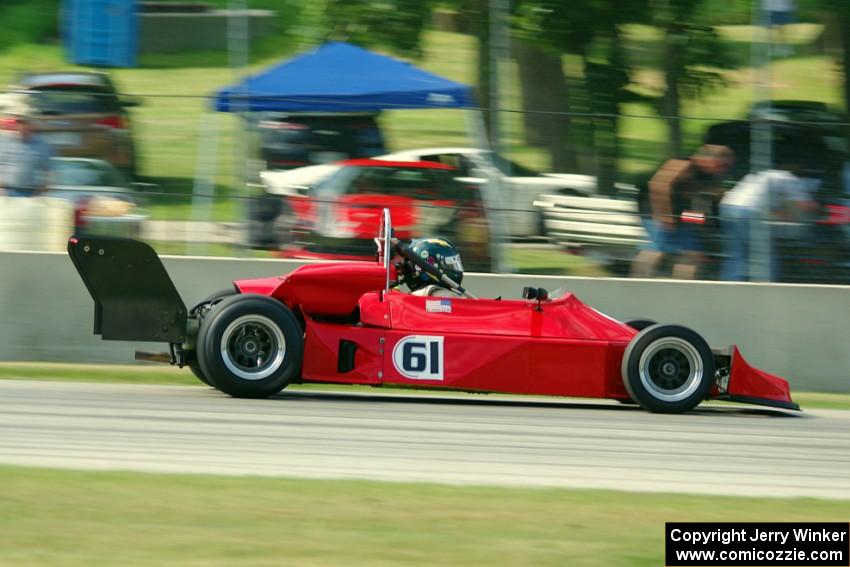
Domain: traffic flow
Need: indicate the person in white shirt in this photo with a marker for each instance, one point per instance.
(24, 160)
(775, 194)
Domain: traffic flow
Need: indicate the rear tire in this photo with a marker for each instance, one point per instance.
(203, 305)
(199, 374)
(200, 310)
(250, 346)
(640, 324)
(668, 369)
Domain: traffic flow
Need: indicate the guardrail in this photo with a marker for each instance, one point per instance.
(800, 332)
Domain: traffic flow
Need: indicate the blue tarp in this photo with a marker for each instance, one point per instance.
(339, 77)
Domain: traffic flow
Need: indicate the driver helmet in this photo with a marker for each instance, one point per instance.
(438, 252)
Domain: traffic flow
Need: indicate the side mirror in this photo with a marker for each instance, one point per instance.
(537, 293)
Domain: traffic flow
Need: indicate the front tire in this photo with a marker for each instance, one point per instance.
(250, 346)
(668, 369)
(637, 325)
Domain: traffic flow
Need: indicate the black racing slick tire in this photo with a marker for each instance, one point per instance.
(200, 310)
(199, 374)
(212, 299)
(640, 324)
(250, 346)
(668, 369)
(637, 325)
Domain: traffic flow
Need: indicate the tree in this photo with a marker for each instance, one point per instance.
(546, 102)
(690, 53)
(590, 29)
(394, 24)
(839, 12)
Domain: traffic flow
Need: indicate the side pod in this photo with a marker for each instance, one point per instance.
(134, 299)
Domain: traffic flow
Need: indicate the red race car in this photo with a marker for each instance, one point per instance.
(349, 323)
(336, 218)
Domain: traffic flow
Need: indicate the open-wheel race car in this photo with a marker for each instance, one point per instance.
(351, 323)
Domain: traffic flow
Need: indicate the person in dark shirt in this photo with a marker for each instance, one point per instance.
(674, 203)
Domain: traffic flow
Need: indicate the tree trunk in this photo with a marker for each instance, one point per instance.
(482, 33)
(607, 153)
(606, 76)
(671, 103)
(543, 87)
(844, 25)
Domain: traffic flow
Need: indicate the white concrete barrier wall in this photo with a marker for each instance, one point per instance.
(35, 223)
(801, 332)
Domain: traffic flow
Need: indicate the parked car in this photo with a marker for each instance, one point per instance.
(336, 218)
(520, 184)
(81, 114)
(295, 140)
(296, 181)
(813, 131)
(105, 203)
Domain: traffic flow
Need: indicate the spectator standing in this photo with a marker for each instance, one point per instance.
(746, 211)
(681, 194)
(24, 161)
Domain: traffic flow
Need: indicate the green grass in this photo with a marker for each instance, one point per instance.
(554, 262)
(173, 376)
(69, 518)
(24, 21)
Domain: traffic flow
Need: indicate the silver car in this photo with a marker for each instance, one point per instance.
(105, 203)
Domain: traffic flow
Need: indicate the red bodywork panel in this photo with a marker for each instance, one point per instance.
(507, 346)
(748, 384)
(563, 348)
(567, 348)
(331, 289)
(564, 318)
(321, 352)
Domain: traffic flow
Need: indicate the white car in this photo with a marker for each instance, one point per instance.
(520, 186)
(293, 182)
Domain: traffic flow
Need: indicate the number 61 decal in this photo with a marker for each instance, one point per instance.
(419, 357)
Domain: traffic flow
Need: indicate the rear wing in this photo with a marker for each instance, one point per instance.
(134, 298)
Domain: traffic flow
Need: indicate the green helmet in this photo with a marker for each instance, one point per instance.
(438, 252)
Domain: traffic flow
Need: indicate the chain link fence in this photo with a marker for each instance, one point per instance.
(570, 188)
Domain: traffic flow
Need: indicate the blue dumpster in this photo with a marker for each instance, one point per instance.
(102, 33)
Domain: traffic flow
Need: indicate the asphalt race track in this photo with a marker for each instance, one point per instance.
(475, 440)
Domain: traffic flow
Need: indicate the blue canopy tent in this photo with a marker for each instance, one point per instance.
(339, 77)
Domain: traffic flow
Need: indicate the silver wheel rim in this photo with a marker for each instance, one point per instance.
(252, 347)
(671, 369)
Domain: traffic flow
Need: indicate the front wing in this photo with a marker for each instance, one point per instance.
(750, 385)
